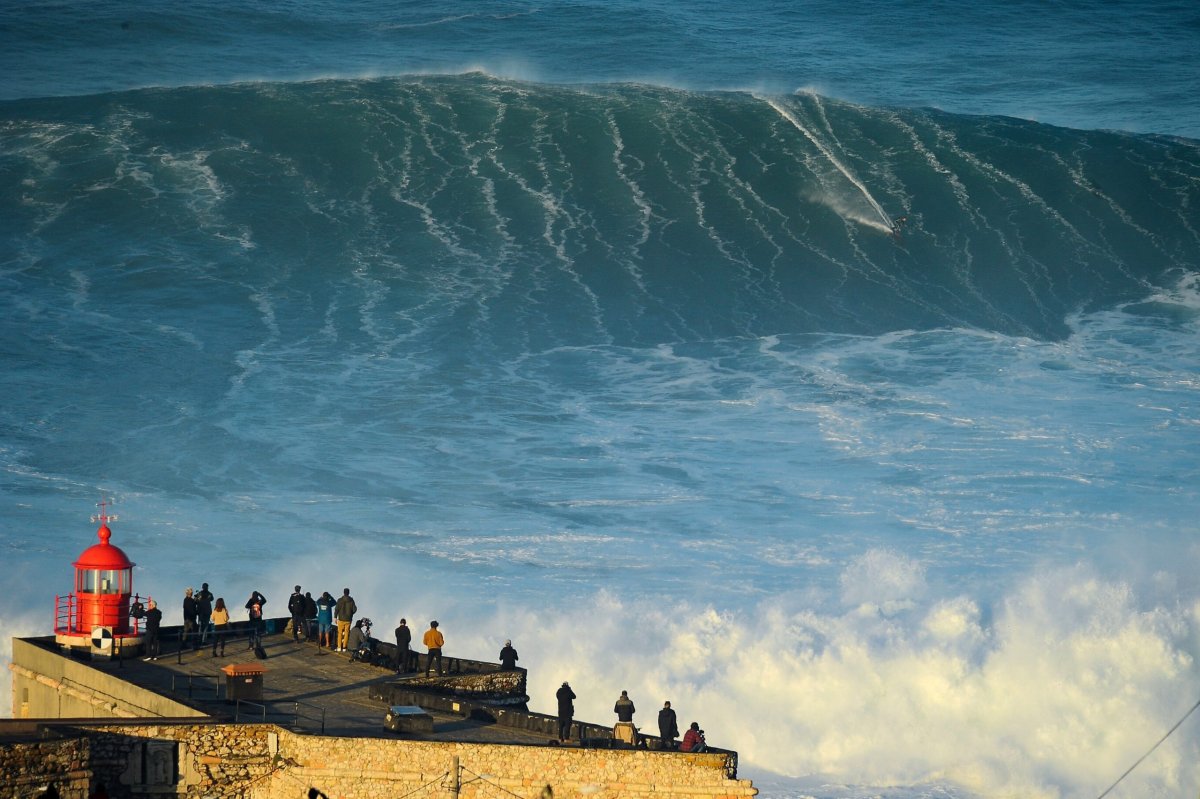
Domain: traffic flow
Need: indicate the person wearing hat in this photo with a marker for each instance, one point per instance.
(566, 710)
(434, 640)
(508, 657)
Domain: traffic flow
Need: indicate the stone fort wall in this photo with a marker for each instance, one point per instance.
(256, 761)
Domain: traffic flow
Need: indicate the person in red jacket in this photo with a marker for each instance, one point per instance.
(693, 740)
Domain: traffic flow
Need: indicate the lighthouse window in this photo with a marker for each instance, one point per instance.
(110, 581)
(102, 581)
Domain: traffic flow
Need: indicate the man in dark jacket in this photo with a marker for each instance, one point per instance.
(152, 620)
(403, 642)
(566, 711)
(668, 727)
(508, 657)
(189, 620)
(296, 608)
(310, 615)
(204, 605)
(624, 708)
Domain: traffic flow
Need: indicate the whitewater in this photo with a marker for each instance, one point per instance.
(863, 431)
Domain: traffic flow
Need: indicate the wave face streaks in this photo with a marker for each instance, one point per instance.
(493, 211)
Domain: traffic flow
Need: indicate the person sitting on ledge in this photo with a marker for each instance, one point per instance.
(693, 740)
(356, 640)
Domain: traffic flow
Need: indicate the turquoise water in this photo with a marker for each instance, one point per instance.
(858, 421)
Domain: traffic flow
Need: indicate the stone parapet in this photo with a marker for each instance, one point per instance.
(258, 761)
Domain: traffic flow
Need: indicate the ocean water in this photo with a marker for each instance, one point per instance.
(830, 372)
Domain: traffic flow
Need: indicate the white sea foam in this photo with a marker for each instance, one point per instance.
(1049, 690)
(1051, 693)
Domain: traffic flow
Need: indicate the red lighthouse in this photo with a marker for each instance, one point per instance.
(98, 609)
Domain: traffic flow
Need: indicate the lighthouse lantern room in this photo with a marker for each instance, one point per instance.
(99, 606)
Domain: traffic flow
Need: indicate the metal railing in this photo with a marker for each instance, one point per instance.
(191, 680)
(237, 709)
(300, 714)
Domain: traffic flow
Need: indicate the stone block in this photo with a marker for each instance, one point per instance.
(407, 719)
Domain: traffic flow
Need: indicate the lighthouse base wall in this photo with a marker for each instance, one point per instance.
(48, 685)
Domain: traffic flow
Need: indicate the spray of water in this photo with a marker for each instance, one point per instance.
(888, 223)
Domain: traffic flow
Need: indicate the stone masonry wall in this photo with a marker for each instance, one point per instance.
(260, 761)
(368, 768)
(27, 768)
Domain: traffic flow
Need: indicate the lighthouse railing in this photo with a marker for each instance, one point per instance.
(64, 613)
(67, 616)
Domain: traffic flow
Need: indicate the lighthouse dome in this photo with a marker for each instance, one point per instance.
(104, 555)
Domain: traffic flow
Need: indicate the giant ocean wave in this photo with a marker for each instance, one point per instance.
(492, 210)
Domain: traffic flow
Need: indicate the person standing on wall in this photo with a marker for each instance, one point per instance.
(668, 726)
(434, 640)
(566, 711)
(343, 613)
(403, 642)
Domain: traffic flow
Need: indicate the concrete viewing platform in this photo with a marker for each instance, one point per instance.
(314, 690)
(241, 727)
(302, 687)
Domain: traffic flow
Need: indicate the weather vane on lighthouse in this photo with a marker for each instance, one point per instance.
(102, 516)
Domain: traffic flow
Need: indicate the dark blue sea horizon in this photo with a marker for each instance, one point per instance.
(1128, 66)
